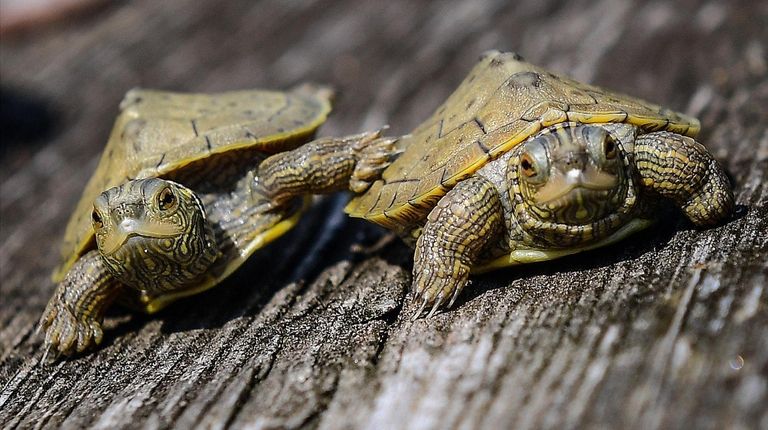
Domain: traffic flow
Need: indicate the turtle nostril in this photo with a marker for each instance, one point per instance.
(574, 161)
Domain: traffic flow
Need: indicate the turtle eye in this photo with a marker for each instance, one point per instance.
(527, 165)
(609, 149)
(96, 219)
(166, 200)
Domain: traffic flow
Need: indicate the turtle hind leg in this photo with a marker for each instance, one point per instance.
(72, 319)
(461, 225)
(326, 165)
(682, 170)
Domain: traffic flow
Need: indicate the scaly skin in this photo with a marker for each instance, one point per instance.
(469, 217)
(152, 237)
(569, 187)
(155, 240)
(325, 166)
(460, 226)
(72, 319)
(682, 170)
(152, 253)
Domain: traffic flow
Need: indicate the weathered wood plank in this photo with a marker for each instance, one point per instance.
(666, 330)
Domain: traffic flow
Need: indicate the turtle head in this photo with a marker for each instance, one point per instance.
(570, 180)
(153, 234)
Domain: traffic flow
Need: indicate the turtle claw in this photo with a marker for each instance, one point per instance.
(434, 309)
(453, 297)
(44, 359)
(436, 287)
(66, 333)
(427, 304)
(421, 309)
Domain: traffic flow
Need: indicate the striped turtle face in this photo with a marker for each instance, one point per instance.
(153, 234)
(570, 180)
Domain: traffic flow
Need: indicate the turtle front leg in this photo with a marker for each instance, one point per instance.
(72, 319)
(460, 226)
(681, 169)
(326, 165)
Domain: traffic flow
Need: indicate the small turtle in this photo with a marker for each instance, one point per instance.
(172, 208)
(520, 165)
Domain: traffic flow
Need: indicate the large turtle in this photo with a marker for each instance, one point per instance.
(519, 165)
(171, 209)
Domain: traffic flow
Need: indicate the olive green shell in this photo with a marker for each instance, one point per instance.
(158, 133)
(502, 102)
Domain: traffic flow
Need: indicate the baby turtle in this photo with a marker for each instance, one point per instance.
(172, 208)
(519, 165)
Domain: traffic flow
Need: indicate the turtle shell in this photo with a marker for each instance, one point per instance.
(159, 134)
(502, 102)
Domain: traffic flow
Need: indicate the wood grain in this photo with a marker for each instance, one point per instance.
(665, 330)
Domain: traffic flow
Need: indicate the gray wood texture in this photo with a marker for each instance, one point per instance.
(668, 329)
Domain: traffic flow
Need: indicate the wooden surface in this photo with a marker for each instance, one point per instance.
(666, 330)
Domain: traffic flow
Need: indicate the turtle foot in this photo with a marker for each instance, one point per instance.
(374, 154)
(65, 332)
(434, 290)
